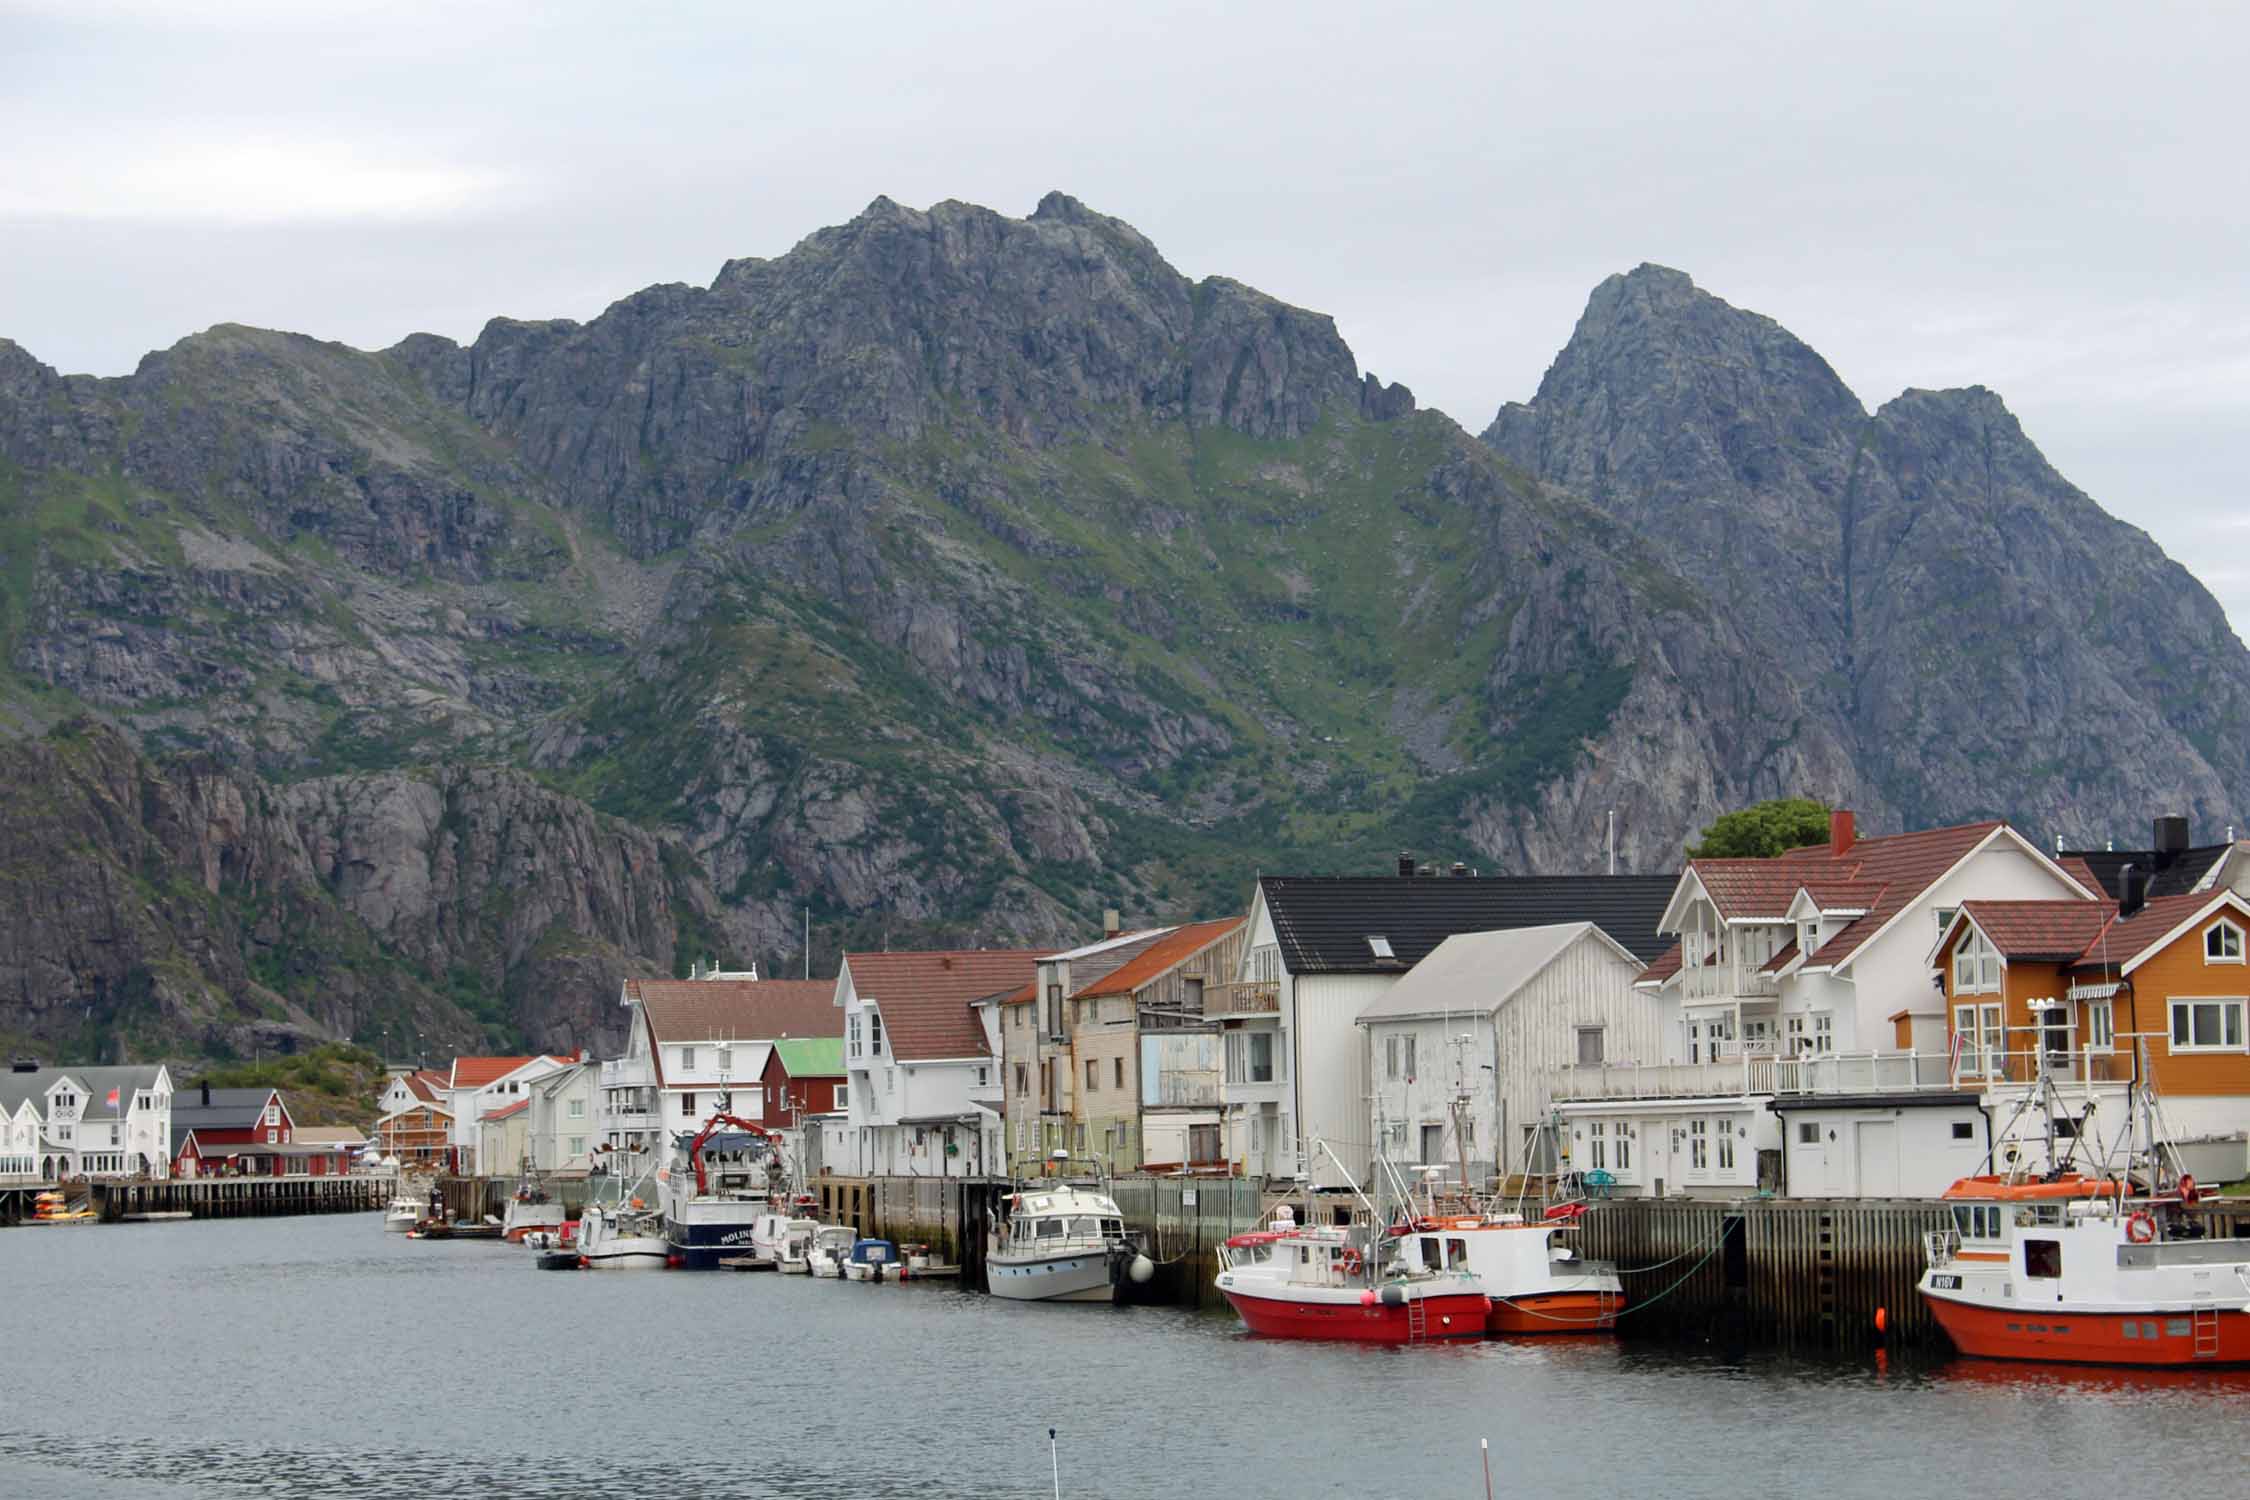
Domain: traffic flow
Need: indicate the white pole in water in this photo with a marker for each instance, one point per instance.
(1484, 1446)
(1055, 1456)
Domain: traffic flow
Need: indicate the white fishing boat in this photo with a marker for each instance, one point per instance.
(1059, 1242)
(626, 1237)
(531, 1210)
(830, 1247)
(404, 1213)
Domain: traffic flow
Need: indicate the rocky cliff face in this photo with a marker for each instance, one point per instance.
(955, 576)
(184, 907)
(1978, 633)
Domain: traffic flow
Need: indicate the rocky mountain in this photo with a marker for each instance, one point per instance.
(955, 576)
(1978, 632)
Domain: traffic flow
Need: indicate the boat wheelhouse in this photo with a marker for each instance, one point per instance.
(1537, 1284)
(2078, 1269)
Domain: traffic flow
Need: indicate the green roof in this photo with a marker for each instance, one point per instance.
(812, 1056)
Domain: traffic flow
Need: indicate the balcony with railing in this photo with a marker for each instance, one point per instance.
(1749, 1071)
(1241, 998)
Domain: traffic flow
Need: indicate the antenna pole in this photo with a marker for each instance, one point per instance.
(1613, 841)
(1054, 1456)
(1484, 1447)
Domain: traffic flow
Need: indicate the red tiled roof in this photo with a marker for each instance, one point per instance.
(1161, 956)
(426, 1085)
(925, 997)
(1781, 960)
(1024, 996)
(2075, 866)
(2056, 931)
(476, 1072)
(1904, 864)
(1663, 969)
(737, 1010)
(1748, 887)
(2120, 942)
(506, 1110)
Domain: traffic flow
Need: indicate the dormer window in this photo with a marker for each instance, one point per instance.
(1381, 947)
(1976, 966)
(2222, 943)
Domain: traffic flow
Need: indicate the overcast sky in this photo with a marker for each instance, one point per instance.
(2048, 199)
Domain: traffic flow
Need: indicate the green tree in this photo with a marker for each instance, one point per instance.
(1763, 831)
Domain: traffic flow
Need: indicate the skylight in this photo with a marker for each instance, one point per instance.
(1381, 946)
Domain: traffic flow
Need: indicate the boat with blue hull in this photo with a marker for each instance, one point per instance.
(725, 1178)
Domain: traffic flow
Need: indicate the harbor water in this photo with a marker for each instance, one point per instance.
(321, 1357)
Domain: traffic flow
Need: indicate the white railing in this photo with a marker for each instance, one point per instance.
(1754, 1072)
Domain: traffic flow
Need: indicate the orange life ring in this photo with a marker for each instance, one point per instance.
(1350, 1262)
(2140, 1229)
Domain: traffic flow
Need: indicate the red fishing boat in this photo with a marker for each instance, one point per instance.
(1321, 1282)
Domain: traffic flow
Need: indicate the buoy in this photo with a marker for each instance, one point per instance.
(1882, 1320)
(1367, 1297)
(1141, 1270)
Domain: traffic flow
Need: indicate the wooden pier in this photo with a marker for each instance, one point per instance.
(238, 1197)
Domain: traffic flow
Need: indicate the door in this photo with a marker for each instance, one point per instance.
(1433, 1144)
(1878, 1158)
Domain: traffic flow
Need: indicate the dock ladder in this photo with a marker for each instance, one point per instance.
(2206, 1328)
(1417, 1320)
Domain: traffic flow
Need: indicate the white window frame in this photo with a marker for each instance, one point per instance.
(2234, 1014)
(1699, 1145)
(1597, 1145)
(1823, 1033)
(1726, 1147)
(1976, 966)
(2223, 935)
(2101, 1025)
(844, 1098)
(687, 1059)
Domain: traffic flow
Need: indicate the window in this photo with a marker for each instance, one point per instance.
(875, 1033)
(984, 1075)
(1726, 1146)
(687, 1059)
(2101, 1025)
(1433, 1143)
(2207, 1025)
(1808, 935)
(2222, 943)
(1117, 1072)
(1945, 916)
(576, 1145)
(1054, 1010)
(851, 1033)
(273, 1137)
(1624, 1147)
(1979, 1040)
(1823, 1033)
(1794, 1029)
(1976, 966)
(578, 1109)
(1964, 1131)
(2042, 1259)
(1699, 1145)
(273, 1114)
(687, 1106)
(843, 1096)
(726, 1061)
(1808, 1133)
(1250, 1057)
(1589, 1046)
(1398, 1057)
(1023, 1079)
(1380, 947)
(1597, 1145)
(1093, 1075)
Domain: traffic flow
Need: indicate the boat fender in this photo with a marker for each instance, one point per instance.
(1367, 1298)
(1142, 1269)
(2140, 1229)
(1394, 1296)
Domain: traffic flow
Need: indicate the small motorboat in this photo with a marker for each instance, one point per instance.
(793, 1256)
(620, 1232)
(871, 1260)
(831, 1246)
(531, 1210)
(771, 1233)
(404, 1213)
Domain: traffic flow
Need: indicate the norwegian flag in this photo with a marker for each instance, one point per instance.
(113, 1098)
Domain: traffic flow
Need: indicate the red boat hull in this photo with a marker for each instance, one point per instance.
(2158, 1339)
(1556, 1313)
(1452, 1315)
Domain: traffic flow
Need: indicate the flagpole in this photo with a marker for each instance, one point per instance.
(1055, 1456)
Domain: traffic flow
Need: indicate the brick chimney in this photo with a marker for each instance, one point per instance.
(1841, 833)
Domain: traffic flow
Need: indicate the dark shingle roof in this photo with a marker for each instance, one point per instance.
(2175, 879)
(1323, 922)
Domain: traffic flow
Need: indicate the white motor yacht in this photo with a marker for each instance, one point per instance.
(831, 1246)
(404, 1213)
(1060, 1243)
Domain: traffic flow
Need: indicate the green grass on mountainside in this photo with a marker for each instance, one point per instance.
(333, 1084)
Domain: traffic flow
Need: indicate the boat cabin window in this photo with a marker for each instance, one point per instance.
(2039, 1213)
(1431, 1255)
(1977, 1221)
(2042, 1258)
(1456, 1253)
(1113, 1226)
(1087, 1227)
(1047, 1228)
